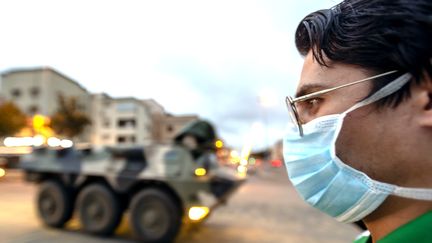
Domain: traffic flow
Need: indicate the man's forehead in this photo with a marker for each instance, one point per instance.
(315, 77)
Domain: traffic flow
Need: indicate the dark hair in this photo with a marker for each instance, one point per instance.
(377, 35)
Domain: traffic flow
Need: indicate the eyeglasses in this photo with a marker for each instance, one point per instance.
(291, 102)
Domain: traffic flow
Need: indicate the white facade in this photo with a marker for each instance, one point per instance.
(36, 91)
(120, 121)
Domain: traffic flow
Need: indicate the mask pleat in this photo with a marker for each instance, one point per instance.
(338, 196)
(304, 168)
(308, 182)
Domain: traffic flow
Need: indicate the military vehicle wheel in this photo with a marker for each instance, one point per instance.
(98, 209)
(154, 217)
(54, 204)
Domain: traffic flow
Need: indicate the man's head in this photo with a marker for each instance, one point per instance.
(390, 140)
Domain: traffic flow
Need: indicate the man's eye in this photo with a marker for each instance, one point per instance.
(313, 103)
(312, 106)
(308, 109)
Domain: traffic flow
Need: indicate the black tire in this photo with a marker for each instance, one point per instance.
(154, 217)
(54, 204)
(99, 211)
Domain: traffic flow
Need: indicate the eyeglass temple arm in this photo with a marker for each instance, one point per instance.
(308, 96)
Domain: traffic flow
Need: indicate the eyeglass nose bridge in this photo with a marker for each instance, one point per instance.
(294, 115)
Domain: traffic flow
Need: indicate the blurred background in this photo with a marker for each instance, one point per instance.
(135, 73)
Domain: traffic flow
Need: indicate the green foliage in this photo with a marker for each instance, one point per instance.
(69, 121)
(12, 120)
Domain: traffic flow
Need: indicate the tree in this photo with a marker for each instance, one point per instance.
(68, 120)
(12, 120)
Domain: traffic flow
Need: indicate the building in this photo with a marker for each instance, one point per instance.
(124, 121)
(36, 91)
(128, 121)
(157, 113)
(166, 126)
(115, 121)
(171, 125)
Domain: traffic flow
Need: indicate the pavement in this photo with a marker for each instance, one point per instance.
(265, 209)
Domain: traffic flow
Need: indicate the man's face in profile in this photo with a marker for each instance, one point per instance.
(377, 141)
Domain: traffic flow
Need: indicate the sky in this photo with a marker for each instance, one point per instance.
(231, 62)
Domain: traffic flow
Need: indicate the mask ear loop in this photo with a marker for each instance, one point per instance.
(414, 193)
(387, 90)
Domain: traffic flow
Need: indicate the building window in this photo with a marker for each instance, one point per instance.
(125, 123)
(121, 139)
(126, 139)
(105, 137)
(34, 92)
(126, 107)
(170, 128)
(16, 93)
(33, 109)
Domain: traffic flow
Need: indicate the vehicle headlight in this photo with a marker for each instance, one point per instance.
(200, 172)
(198, 213)
(2, 172)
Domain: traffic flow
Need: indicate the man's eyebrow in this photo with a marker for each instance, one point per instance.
(310, 88)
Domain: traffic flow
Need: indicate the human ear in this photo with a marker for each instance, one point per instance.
(424, 93)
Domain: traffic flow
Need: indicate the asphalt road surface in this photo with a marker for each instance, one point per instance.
(265, 209)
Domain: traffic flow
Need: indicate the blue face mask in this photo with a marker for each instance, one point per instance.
(327, 183)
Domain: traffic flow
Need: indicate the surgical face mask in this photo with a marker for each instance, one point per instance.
(324, 181)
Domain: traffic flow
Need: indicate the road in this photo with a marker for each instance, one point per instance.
(265, 209)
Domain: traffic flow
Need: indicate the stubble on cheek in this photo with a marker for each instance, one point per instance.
(357, 145)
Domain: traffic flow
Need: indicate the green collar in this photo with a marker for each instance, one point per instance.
(418, 230)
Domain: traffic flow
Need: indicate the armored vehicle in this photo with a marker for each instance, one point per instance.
(159, 186)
